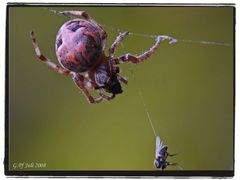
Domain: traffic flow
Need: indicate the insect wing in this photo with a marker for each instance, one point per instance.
(158, 146)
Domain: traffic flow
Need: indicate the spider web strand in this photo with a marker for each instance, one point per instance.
(147, 112)
(152, 36)
(147, 35)
(141, 97)
(205, 42)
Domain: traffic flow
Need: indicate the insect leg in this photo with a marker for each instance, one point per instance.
(45, 60)
(145, 55)
(79, 81)
(117, 41)
(171, 164)
(171, 154)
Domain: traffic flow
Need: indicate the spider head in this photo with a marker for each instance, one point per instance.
(113, 86)
(108, 80)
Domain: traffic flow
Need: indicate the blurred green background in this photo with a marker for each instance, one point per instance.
(188, 90)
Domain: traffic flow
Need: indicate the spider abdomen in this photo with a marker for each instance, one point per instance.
(78, 45)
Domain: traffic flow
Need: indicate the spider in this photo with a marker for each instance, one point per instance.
(80, 45)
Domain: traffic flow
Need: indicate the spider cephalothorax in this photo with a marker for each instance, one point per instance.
(80, 47)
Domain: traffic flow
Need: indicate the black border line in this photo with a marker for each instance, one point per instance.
(6, 158)
(234, 82)
(119, 173)
(121, 4)
(184, 173)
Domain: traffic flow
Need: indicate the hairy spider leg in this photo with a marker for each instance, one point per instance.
(137, 59)
(112, 49)
(81, 82)
(101, 92)
(117, 41)
(122, 79)
(85, 15)
(45, 60)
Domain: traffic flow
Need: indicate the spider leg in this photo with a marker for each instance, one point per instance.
(106, 96)
(123, 79)
(85, 15)
(45, 60)
(117, 41)
(81, 83)
(144, 56)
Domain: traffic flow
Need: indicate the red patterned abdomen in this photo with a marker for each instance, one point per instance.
(78, 45)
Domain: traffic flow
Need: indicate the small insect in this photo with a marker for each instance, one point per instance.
(161, 155)
(80, 45)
